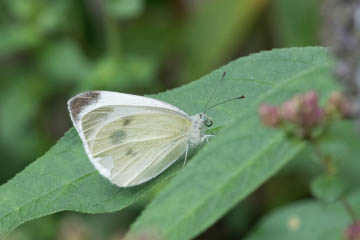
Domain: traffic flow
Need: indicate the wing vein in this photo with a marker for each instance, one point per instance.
(130, 142)
(130, 162)
(154, 159)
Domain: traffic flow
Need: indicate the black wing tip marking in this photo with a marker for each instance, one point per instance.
(80, 101)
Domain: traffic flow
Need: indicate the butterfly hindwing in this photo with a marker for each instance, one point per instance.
(134, 148)
(146, 161)
(167, 155)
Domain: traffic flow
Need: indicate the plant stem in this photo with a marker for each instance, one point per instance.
(325, 160)
(328, 167)
(349, 209)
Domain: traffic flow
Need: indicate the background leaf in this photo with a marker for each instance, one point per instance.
(63, 179)
(295, 23)
(328, 188)
(309, 220)
(213, 45)
(340, 142)
(125, 9)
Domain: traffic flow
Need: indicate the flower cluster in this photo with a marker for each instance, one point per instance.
(303, 114)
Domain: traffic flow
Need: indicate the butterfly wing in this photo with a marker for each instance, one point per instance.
(131, 140)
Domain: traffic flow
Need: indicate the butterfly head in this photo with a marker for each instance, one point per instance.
(205, 120)
(200, 122)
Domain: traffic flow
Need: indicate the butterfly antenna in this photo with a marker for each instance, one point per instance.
(213, 92)
(231, 99)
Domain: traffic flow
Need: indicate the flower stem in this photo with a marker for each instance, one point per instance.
(349, 209)
(330, 170)
(325, 160)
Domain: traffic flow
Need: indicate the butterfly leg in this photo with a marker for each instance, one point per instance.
(206, 137)
(186, 153)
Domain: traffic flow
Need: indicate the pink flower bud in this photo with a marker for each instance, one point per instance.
(339, 104)
(353, 231)
(311, 98)
(303, 110)
(289, 110)
(269, 115)
(310, 114)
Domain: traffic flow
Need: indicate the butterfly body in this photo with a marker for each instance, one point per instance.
(131, 139)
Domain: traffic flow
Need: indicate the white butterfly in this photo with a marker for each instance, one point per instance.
(131, 139)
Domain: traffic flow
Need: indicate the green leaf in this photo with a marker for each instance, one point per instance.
(17, 38)
(308, 220)
(328, 188)
(125, 9)
(341, 143)
(64, 61)
(295, 23)
(16, 133)
(114, 73)
(216, 30)
(242, 156)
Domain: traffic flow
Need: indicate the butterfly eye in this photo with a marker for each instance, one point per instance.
(208, 123)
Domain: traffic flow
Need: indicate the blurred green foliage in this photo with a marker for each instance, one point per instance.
(50, 50)
(306, 220)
